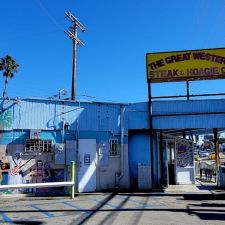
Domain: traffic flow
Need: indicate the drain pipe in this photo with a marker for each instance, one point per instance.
(119, 176)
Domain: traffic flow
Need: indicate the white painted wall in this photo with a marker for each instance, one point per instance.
(185, 175)
(106, 175)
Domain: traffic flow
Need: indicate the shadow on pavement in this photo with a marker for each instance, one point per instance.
(108, 219)
(27, 222)
(202, 213)
(209, 205)
(98, 207)
(200, 197)
(207, 211)
(203, 210)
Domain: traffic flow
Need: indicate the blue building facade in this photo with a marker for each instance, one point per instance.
(54, 132)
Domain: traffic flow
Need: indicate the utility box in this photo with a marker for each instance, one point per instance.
(144, 177)
(59, 154)
(104, 154)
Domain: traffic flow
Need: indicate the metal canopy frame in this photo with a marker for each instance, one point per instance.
(151, 128)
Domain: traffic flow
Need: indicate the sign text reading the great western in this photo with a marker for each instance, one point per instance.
(186, 65)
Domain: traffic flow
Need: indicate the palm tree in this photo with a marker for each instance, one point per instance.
(8, 65)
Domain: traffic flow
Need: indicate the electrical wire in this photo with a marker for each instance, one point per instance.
(94, 97)
(46, 12)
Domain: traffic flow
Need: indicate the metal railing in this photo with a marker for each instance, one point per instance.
(49, 184)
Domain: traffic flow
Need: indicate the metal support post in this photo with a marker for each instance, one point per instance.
(161, 158)
(216, 148)
(72, 178)
(188, 90)
(74, 65)
(151, 134)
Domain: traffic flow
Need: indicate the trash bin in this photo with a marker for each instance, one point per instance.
(222, 176)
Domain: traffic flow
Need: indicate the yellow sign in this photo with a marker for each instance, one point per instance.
(186, 65)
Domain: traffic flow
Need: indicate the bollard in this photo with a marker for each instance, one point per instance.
(72, 177)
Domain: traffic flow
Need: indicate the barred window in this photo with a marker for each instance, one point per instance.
(37, 145)
(114, 147)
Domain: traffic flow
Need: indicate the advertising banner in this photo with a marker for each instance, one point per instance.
(186, 65)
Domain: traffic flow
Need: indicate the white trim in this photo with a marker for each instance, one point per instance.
(38, 185)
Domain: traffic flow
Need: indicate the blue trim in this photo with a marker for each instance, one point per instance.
(74, 206)
(55, 136)
(102, 201)
(5, 218)
(49, 215)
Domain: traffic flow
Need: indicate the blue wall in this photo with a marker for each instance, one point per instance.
(19, 136)
(13, 137)
(139, 145)
(138, 152)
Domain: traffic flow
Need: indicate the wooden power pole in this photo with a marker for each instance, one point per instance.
(72, 34)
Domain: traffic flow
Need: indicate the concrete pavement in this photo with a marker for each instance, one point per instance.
(116, 208)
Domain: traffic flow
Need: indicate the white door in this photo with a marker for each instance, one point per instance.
(87, 169)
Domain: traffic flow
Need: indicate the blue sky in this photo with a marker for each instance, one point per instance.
(111, 65)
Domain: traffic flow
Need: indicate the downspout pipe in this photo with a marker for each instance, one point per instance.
(63, 131)
(123, 108)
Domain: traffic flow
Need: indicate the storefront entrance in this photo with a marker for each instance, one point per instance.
(179, 160)
(191, 159)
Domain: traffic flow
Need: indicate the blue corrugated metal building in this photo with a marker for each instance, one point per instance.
(119, 133)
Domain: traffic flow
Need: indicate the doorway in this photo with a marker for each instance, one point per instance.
(87, 169)
(191, 157)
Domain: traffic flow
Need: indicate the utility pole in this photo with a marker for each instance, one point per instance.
(72, 34)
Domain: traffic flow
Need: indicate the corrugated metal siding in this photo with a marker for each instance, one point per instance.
(192, 106)
(100, 117)
(138, 116)
(48, 114)
(181, 122)
(184, 106)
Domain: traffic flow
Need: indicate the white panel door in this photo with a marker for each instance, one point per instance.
(87, 168)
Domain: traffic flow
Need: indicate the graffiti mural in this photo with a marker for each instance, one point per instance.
(5, 119)
(184, 153)
(19, 168)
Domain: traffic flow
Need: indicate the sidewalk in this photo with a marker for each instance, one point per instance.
(200, 187)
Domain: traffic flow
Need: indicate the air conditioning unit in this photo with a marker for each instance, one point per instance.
(35, 134)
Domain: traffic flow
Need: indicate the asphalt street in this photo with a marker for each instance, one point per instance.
(111, 208)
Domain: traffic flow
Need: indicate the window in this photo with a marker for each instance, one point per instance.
(37, 145)
(113, 147)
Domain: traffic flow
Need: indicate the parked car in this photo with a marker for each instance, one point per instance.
(213, 155)
(203, 154)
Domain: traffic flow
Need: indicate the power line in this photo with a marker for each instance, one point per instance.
(98, 98)
(51, 18)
